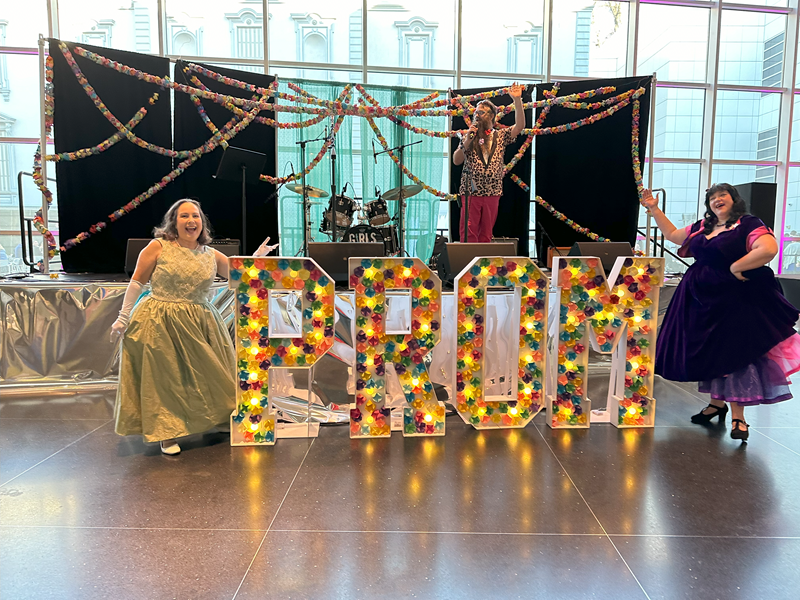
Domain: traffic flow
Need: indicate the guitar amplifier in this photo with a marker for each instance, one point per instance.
(227, 246)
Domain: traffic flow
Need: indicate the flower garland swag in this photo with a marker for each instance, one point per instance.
(529, 140)
(105, 144)
(89, 90)
(346, 95)
(38, 176)
(231, 129)
(338, 108)
(322, 106)
(259, 119)
(637, 175)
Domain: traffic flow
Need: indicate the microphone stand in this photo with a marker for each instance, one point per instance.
(332, 210)
(306, 205)
(401, 207)
(552, 244)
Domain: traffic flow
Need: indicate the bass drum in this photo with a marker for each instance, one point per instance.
(363, 233)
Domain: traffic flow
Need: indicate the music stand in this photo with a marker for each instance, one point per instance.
(240, 164)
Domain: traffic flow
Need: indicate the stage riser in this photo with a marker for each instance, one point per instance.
(55, 338)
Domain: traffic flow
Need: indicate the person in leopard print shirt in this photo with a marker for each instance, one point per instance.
(482, 152)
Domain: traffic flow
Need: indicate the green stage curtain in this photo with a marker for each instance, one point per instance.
(426, 161)
(290, 209)
(355, 164)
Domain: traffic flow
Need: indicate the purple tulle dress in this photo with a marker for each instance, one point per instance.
(736, 338)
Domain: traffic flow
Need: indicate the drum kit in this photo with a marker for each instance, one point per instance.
(357, 222)
(373, 216)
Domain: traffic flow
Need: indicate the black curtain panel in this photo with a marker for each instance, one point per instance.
(587, 173)
(222, 199)
(92, 188)
(514, 211)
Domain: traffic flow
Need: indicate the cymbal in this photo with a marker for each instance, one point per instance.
(408, 191)
(311, 191)
(311, 203)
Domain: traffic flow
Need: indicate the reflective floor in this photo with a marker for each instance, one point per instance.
(678, 511)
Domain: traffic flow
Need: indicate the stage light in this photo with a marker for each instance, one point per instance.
(253, 273)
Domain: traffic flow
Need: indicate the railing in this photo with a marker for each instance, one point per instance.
(26, 226)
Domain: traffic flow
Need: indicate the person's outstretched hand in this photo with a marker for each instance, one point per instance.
(648, 200)
(265, 248)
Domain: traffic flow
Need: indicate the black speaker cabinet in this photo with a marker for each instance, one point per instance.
(760, 200)
(607, 252)
(227, 246)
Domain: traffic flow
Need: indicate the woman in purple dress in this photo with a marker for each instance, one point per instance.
(728, 325)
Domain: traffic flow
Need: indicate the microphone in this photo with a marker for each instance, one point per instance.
(293, 173)
(377, 191)
(375, 156)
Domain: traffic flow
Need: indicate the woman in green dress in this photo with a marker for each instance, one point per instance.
(177, 371)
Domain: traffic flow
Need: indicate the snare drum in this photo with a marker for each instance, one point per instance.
(377, 212)
(325, 227)
(344, 207)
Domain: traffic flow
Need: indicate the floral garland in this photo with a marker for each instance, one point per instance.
(539, 121)
(406, 172)
(338, 108)
(242, 85)
(323, 151)
(637, 165)
(229, 131)
(265, 120)
(38, 175)
(637, 175)
(105, 144)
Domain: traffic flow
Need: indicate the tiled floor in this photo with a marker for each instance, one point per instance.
(679, 511)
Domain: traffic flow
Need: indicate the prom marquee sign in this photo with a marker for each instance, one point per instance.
(615, 315)
(258, 350)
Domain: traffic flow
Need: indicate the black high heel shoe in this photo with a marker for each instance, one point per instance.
(702, 418)
(737, 433)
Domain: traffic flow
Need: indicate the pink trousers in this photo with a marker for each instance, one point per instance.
(482, 215)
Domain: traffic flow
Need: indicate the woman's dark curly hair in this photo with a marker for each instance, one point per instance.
(737, 211)
(169, 226)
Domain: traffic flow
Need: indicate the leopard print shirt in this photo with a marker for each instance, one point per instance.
(482, 177)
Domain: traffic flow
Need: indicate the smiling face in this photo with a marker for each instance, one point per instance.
(485, 116)
(721, 204)
(189, 224)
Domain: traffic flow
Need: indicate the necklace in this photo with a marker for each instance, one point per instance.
(196, 245)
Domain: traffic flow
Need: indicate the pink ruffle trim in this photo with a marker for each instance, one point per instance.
(787, 355)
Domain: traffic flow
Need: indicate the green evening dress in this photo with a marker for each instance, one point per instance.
(178, 369)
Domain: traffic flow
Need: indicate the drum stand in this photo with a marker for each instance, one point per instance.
(401, 200)
(306, 201)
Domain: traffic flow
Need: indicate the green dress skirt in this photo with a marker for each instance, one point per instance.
(178, 369)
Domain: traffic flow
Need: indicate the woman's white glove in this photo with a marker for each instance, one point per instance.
(131, 296)
(265, 248)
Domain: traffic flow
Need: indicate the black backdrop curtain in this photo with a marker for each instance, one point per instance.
(587, 173)
(92, 188)
(221, 199)
(513, 213)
